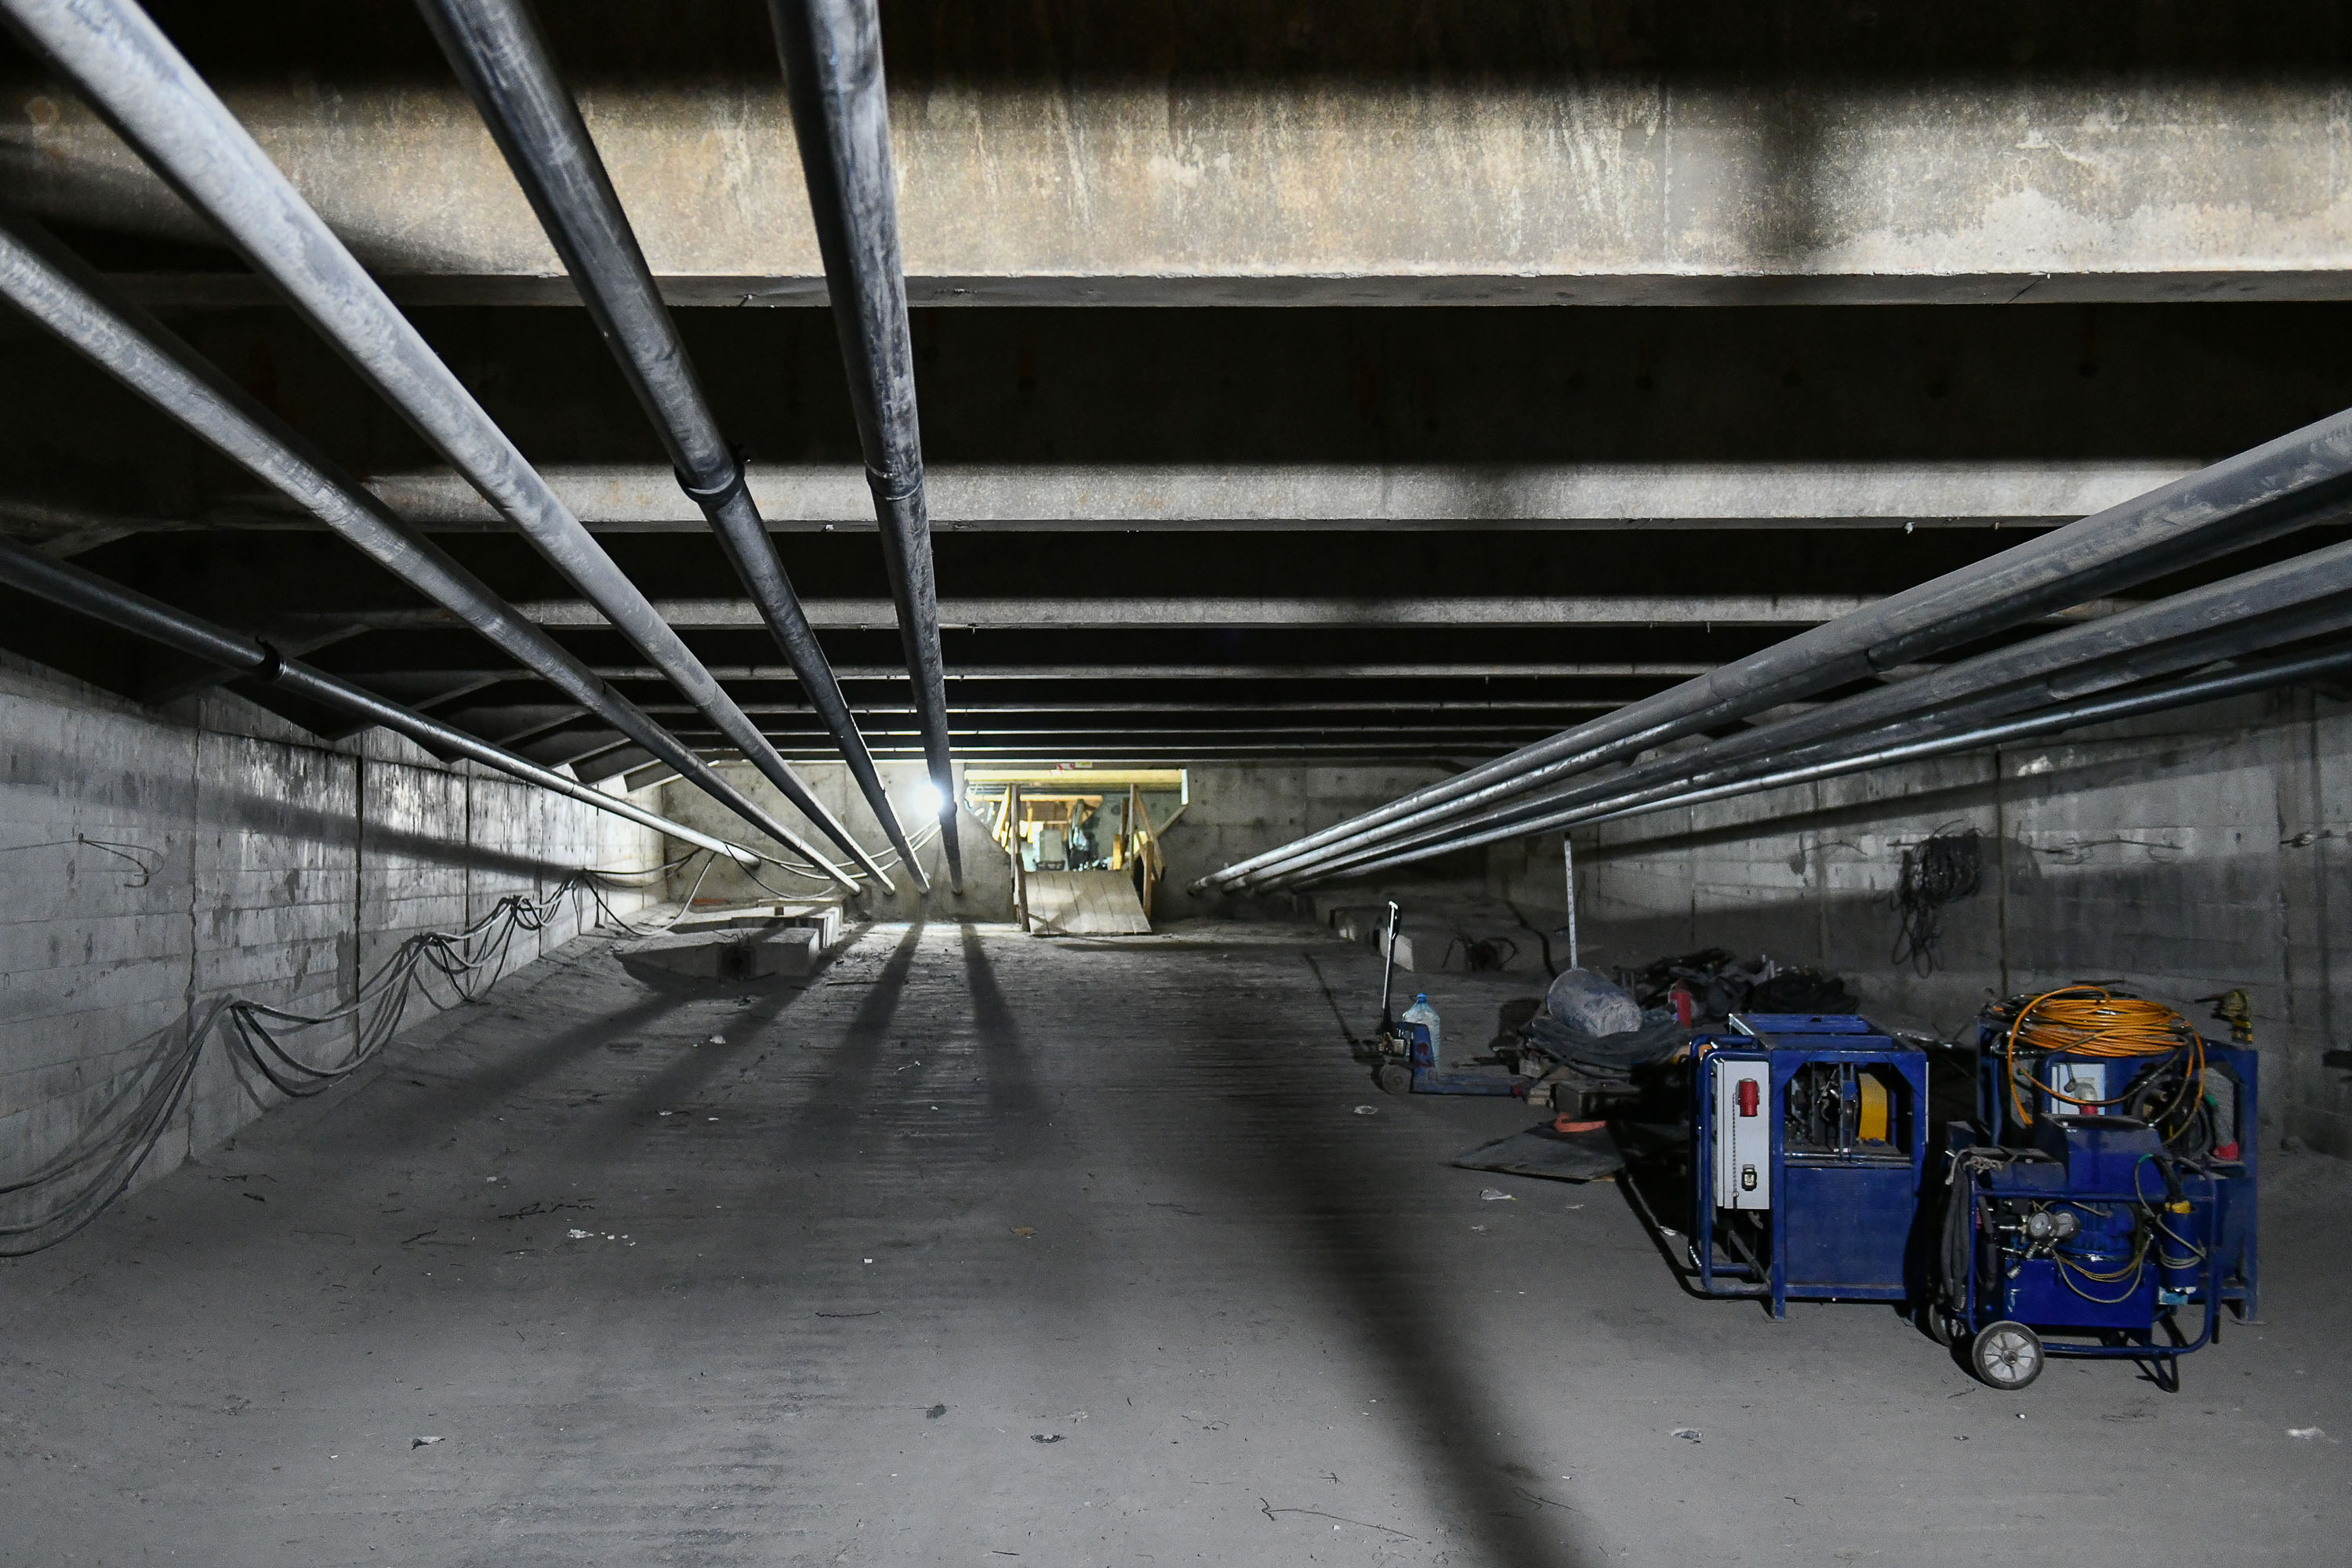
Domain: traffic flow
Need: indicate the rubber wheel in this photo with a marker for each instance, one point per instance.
(1395, 1078)
(2006, 1356)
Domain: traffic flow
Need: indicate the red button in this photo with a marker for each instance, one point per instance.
(1746, 1097)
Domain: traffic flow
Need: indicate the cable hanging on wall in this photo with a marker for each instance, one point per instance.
(82, 1181)
(1944, 866)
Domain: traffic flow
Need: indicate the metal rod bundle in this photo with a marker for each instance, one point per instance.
(503, 59)
(832, 52)
(2260, 494)
(74, 588)
(2309, 595)
(2231, 682)
(151, 96)
(57, 289)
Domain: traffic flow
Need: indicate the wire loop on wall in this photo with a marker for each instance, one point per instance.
(82, 1181)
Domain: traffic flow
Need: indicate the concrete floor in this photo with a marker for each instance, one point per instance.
(983, 1249)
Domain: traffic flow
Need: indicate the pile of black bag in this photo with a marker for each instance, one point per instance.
(1720, 984)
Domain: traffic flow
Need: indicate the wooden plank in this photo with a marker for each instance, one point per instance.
(1084, 903)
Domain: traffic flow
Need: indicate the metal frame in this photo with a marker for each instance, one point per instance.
(1786, 1044)
(1979, 1318)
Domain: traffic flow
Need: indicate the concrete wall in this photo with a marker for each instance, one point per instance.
(2184, 854)
(156, 861)
(988, 888)
(1238, 812)
(1235, 810)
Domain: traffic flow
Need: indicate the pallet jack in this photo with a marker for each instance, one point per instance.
(1408, 1054)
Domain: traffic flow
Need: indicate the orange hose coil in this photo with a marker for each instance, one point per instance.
(2092, 1021)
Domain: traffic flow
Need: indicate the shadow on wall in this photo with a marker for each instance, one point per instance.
(211, 805)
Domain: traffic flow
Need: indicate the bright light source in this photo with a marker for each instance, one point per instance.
(927, 799)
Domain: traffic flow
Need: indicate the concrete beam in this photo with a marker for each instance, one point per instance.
(1116, 673)
(1427, 705)
(1014, 496)
(1089, 615)
(909, 740)
(1046, 614)
(1609, 158)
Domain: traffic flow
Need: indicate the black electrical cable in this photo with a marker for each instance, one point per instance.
(1960, 1214)
(101, 1166)
(1945, 868)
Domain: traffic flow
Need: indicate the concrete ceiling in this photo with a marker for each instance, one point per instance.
(1202, 489)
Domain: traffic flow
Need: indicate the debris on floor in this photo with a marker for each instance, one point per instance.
(1541, 1150)
(1495, 1195)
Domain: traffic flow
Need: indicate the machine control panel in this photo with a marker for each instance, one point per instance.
(1743, 1134)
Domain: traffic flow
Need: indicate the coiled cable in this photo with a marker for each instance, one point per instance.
(2085, 1020)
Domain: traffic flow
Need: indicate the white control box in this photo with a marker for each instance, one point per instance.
(2084, 1086)
(1743, 1134)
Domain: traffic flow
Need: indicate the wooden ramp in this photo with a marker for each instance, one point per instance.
(1084, 903)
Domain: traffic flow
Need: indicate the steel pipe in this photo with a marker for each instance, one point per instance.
(2273, 489)
(502, 56)
(2043, 722)
(135, 78)
(2307, 596)
(74, 588)
(832, 55)
(53, 287)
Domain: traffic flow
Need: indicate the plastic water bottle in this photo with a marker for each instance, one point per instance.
(1421, 1031)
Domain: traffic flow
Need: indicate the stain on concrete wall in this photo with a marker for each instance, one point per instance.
(155, 860)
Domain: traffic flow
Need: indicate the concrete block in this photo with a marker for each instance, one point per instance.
(728, 954)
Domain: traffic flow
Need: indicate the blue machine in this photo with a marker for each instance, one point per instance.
(2087, 1244)
(1809, 1156)
(2062, 1234)
(2098, 1195)
(2222, 1146)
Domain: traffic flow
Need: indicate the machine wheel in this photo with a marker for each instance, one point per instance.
(2006, 1355)
(1395, 1078)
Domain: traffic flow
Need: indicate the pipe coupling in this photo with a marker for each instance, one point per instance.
(719, 495)
(890, 488)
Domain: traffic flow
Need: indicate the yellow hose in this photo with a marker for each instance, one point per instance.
(2092, 1021)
